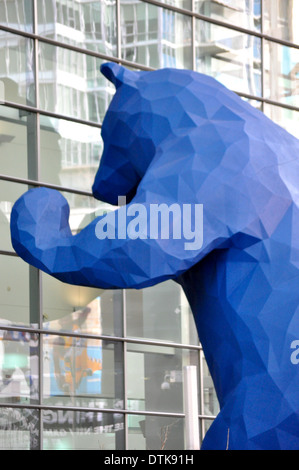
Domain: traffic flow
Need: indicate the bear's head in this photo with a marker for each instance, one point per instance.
(147, 107)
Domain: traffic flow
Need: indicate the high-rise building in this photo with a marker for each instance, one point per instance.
(85, 368)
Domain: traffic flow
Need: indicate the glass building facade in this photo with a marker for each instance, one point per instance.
(84, 368)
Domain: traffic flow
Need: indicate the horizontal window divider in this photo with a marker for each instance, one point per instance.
(99, 410)
(8, 253)
(35, 183)
(43, 112)
(108, 339)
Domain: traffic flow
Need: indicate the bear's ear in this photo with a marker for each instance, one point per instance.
(117, 74)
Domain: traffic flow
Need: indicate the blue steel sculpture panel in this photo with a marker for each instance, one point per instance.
(179, 137)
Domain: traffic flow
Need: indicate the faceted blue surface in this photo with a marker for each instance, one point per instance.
(179, 137)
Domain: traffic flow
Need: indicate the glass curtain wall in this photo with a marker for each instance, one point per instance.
(85, 368)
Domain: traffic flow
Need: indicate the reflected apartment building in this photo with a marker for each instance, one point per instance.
(84, 368)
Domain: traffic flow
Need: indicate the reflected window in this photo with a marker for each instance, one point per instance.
(90, 25)
(17, 14)
(281, 19)
(281, 73)
(155, 376)
(19, 429)
(233, 58)
(70, 153)
(18, 137)
(154, 36)
(71, 84)
(18, 367)
(243, 13)
(82, 372)
(286, 118)
(17, 68)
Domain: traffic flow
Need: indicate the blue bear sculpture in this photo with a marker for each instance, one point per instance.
(180, 137)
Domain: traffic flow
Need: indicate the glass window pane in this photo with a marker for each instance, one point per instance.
(186, 4)
(71, 84)
(281, 73)
(155, 433)
(18, 293)
(69, 153)
(18, 367)
(162, 313)
(154, 36)
(243, 13)
(17, 14)
(17, 69)
(19, 429)
(82, 372)
(78, 430)
(281, 19)
(154, 377)
(17, 143)
(9, 193)
(233, 58)
(90, 25)
(286, 118)
(209, 397)
(81, 309)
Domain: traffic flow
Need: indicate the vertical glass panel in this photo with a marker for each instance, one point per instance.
(243, 13)
(281, 73)
(17, 69)
(18, 292)
(71, 84)
(90, 25)
(154, 377)
(281, 19)
(17, 143)
(209, 398)
(18, 367)
(9, 193)
(17, 14)
(154, 36)
(81, 309)
(82, 372)
(78, 430)
(69, 153)
(155, 433)
(286, 118)
(160, 312)
(19, 429)
(233, 58)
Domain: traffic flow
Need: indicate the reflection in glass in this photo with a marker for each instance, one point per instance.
(186, 4)
(19, 429)
(17, 68)
(243, 13)
(155, 433)
(17, 143)
(9, 193)
(286, 118)
(17, 14)
(82, 372)
(281, 19)
(71, 84)
(18, 367)
(70, 153)
(233, 58)
(90, 25)
(154, 36)
(281, 73)
(161, 312)
(154, 377)
(82, 309)
(77, 430)
(210, 402)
